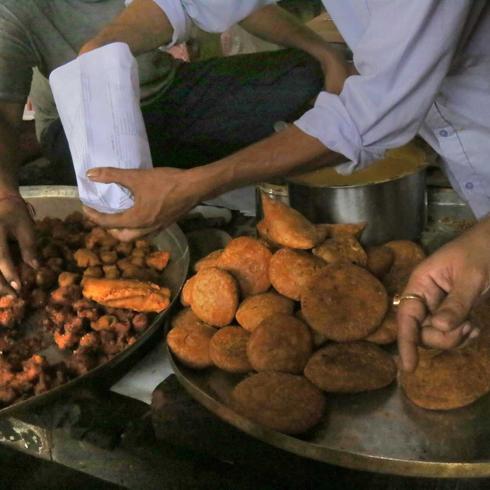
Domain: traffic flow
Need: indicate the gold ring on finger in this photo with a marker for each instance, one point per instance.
(398, 298)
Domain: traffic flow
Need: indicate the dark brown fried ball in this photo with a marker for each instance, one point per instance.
(291, 270)
(344, 302)
(279, 401)
(228, 350)
(68, 279)
(387, 333)
(280, 343)
(256, 308)
(190, 344)
(248, 261)
(211, 260)
(342, 249)
(351, 368)
(396, 280)
(379, 260)
(448, 379)
(407, 254)
(215, 297)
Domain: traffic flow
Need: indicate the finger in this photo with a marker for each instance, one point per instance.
(436, 339)
(125, 219)
(27, 243)
(454, 310)
(5, 289)
(109, 175)
(128, 235)
(7, 268)
(410, 316)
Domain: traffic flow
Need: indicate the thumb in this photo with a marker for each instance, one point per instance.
(109, 175)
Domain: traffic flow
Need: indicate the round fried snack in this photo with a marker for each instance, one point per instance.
(446, 380)
(211, 260)
(290, 271)
(248, 260)
(379, 260)
(342, 249)
(279, 401)
(317, 338)
(215, 297)
(189, 342)
(185, 318)
(396, 280)
(344, 302)
(228, 350)
(334, 230)
(186, 294)
(387, 333)
(286, 226)
(256, 308)
(407, 254)
(351, 368)
(280, 343)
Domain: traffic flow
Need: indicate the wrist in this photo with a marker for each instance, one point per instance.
(207, 181)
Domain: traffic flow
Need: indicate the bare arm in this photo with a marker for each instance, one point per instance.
(10, 120)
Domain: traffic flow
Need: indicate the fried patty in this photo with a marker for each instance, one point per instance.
(228, 350)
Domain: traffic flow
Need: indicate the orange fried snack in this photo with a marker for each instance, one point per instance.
(290, 271)
(387, 333)
(351, 368)
(186, 294)
(342, 249)
(280, 343)
(256, 308)
(190, 341)
(279, 401)
(228, 350)
(286, 226)
(379, 260)
(158, 260)
(335, 230)
(215, 296)
(211, 260)
(407, 254)
(447, 380)
(344, 302)
(143, 297)
(247, 260)
(185, 318)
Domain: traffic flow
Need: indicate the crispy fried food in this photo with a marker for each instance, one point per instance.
(190, 343)
(290, 271)
(130, 294)
(256, 308)
(68, 279)
(100, 237)
(280, 343)
(343, 248)
(86, 258)
(344, 302)
(66, 295)
(264, 237)
(351, 368)
(211, 260)
(215, 296)
(318, 339)
(158, 260)
(108, 257)
(396, 280)
(124, 248)
(186, 294)
(248, 261)
(111, 272)
(185, 317)
(228, 350)
(335, 230)
(448, 379)
(379, 260)
(279, 401)
(407, 254)
(12, 310)
(95, 272)
(387, 333)
(105, 322)
(286, 226)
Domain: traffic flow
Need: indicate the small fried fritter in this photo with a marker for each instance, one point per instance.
(256, 308)
(344, 302)
(280, 401)
(186, 294)
(407, 254)
(248, 261)
(335, 230)
(280, 343)
(379, 260)
(291, 270)
(215, 297)
(351, 368)
(211, 260)
(387, 333)
(228, 350)
(342, 249)
(185, 317)
(158, 260)
(286, 226)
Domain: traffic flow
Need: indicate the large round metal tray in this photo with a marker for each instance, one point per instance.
(380, 431)
(59, 202)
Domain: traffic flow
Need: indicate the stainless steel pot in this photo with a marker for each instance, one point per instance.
(393, 209)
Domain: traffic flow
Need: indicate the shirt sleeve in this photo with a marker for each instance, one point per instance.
(208, 15)
(16, 59)
(402, 58)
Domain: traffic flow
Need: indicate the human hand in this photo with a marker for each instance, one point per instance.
(15, 222)
(336, 70)
(450, 282)
(161, 197)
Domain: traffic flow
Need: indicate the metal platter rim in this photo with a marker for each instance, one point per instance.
(344, 458)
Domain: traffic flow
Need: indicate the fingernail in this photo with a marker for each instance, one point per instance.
(474, 334)
(92, 173)
(15, 285)
(466, 329)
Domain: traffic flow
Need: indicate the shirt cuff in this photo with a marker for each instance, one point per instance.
(178, 18)
(330, 122)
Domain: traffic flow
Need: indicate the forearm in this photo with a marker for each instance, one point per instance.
(143, 26)
(9, 157)
(288, 152)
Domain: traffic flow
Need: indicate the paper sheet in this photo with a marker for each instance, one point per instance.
(98, 100)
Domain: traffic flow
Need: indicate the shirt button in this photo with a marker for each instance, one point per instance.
(469, 185)
(443, 133)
